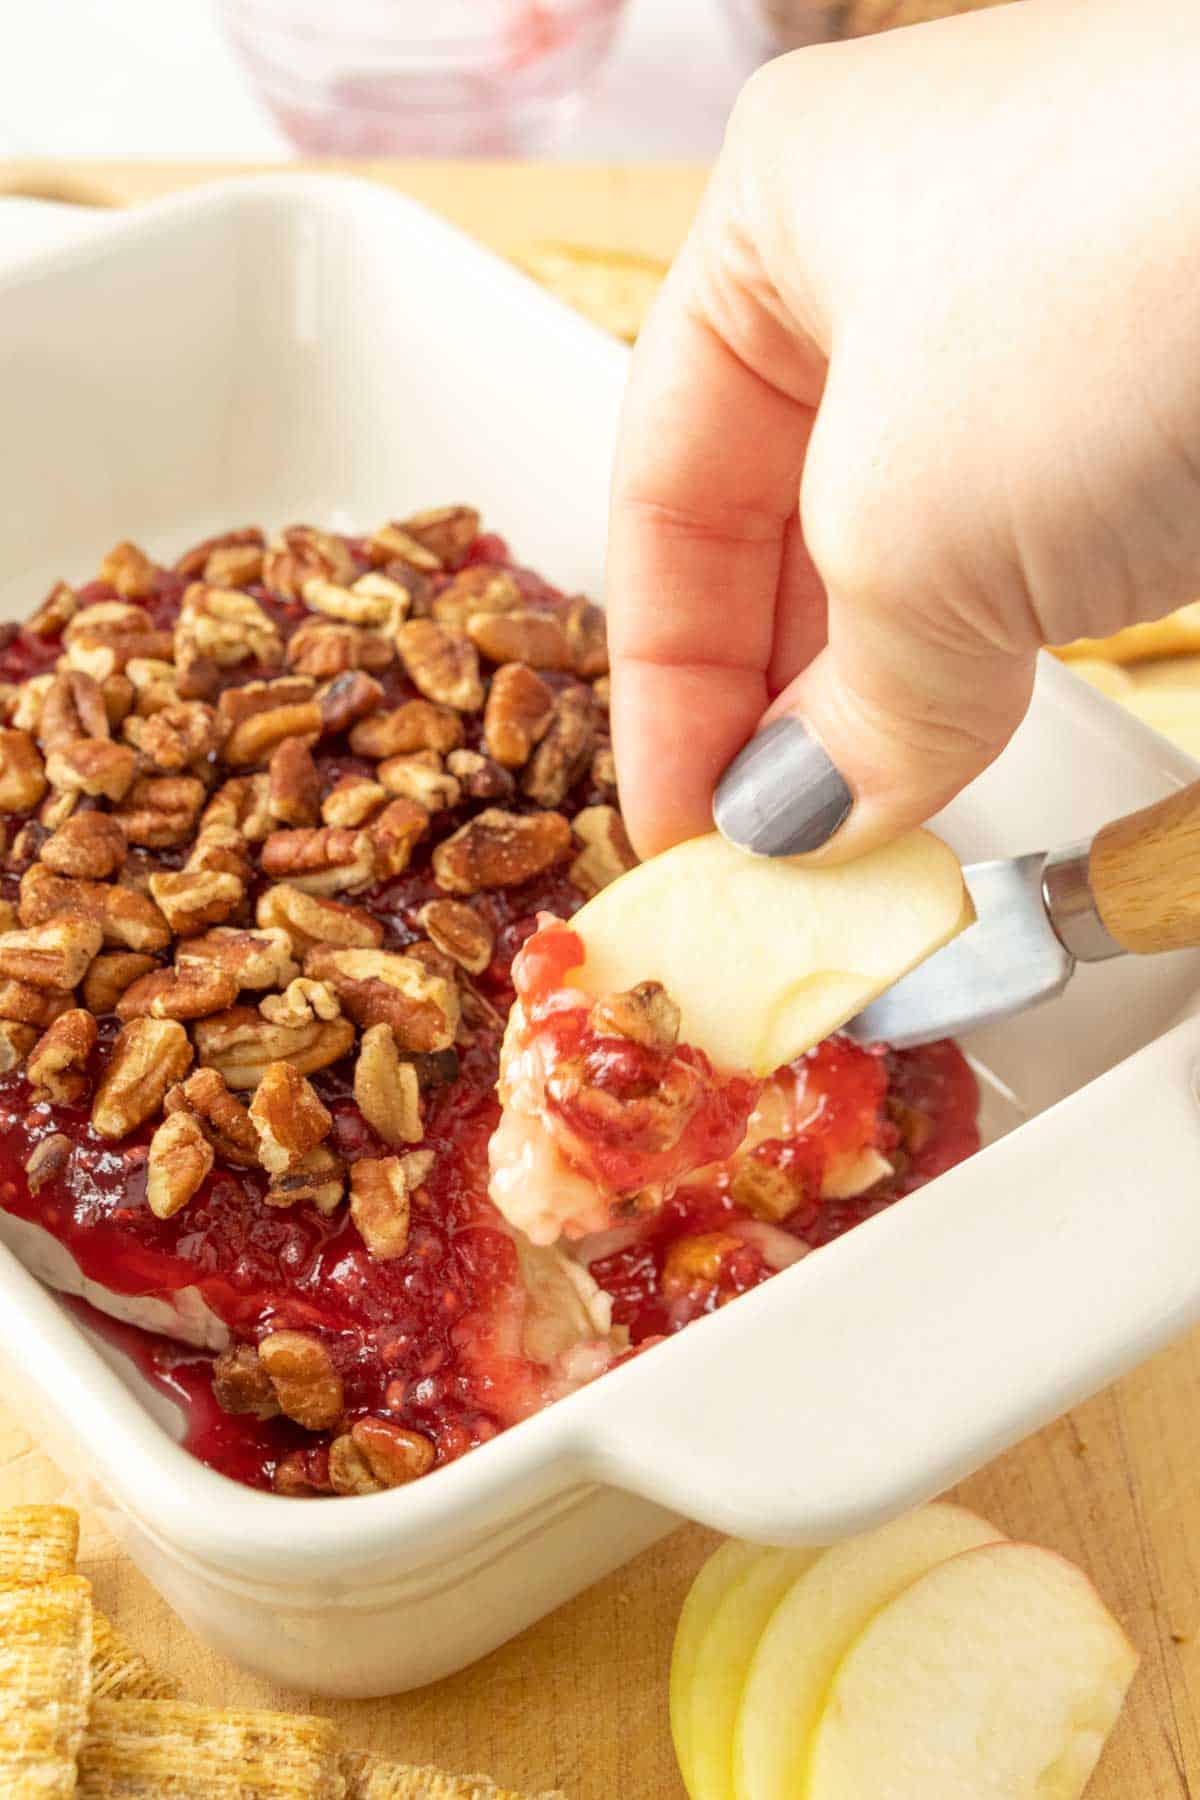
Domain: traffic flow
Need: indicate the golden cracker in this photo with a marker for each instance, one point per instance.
(371, 1778)
(170, 1750)
(45, 1684)
(119, 1672)
(37, 1542)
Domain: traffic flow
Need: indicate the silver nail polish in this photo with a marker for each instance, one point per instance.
(781, 795)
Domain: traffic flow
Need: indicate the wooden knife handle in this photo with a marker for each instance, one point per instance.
(1144, 872)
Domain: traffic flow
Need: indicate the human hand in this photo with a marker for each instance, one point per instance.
(943, 290)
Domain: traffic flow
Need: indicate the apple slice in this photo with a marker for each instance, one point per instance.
(999, 1673)
(815, 1624)
(767, 957)
(722, 1572)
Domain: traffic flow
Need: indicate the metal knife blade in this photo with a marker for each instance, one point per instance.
(1009, 959)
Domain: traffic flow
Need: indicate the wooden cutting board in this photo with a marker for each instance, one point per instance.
(580, 1699)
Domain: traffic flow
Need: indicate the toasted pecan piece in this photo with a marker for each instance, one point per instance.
(193, 990)
(55, 613)
(448, 532)
(536, 639)
(517, 716)
(225, 626)
(240, 805)
(607, 851)
(417, 725)
(645, 1014)
(128, 569)
(442, 662)
(194, 560)
(179, 1160)
(57, 1064)
(565, 751)
(288, 1116)
(324, 861)
(72, 708)
(310, 919)
(482, 588)
(190, 903)
(90, 844)
(126, 918)
(353, 800)
(92, 766)
(254, 959)
(307, 1385)
(347, 699)
(111, 974)
(293, 784)
(587, 634)
(52, 955)
(386, 1088)
(241, 1384)
(499, 849)
(16, 1041)
(301, 554)
(394, 833)
(382, 987)
(480, 777)
(420, 777)
(303, 1000)
(379, 1205)
(241, 1044)
(254, 738)
(22, 772)
(159, 812)
(47, 1161)
(225, 1121)
(318, 1179)
(459, 931)
(24, 1004)
(324, 648)
(180, 735)
(394, 544)
(148, 1056)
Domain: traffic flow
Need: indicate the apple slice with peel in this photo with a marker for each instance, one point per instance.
(998, 1674)
(766, 957)
(722, 1572)
(719, 1672)
(815, 1624)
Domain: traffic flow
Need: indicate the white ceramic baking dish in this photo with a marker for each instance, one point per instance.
(298, 348)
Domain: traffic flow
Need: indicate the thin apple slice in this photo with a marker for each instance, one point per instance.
(724, 1657)
(767, 957)
(815, 1624)
(998, 1674)
(722, 1572)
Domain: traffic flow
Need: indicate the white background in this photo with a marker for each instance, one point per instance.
(153, 77)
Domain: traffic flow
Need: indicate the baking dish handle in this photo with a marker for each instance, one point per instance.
(876, 1373)
(28, 225)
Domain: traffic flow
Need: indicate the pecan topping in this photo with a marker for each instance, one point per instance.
(56, 611)
(224, 1120)
(352, 801)
(26, 710)
(233, 565)
(479, 776)
(324, 861)
(347, 699)
(303, 1001)
(241, 1384)
(159, 812)
(417, 725)
(92, 766)
(254, 959)
(602, 691)
(253, 739)
(309, 919)
(604, 768)
(380, 987)
(191, 903)
(148, 1056)
(606, 851)
(179, 1160)
(765, 1190)
(289, 1118)
(153, 683)
(16, 1041)
(53, 955)
(91, 844)
(47, 1161)
(301, 1371)
(442, 663)
(394, 832)
(72, 707)
(587, 633)
(226, 627)
(479, 589)
(193, 562)
(111, 975)
(126, 918)
(379, 1205)
(22, 776)
(498, 849)
(446, 531)
(302, 554)
(354, 606)
(194, 990)
(645, 1014)
(375, 1455)
(519, 709)
(536, 639)
(219, 852)
(129, 570)
(293, 784)
(57, 1067)
(386, 1090)
(460, 931)
(422, 778)
(242, 1045)
(392, 543)
(29, 1005)
(179, 735)
(318, 1179)
(565, 751)
(240, 805)
(322, 649)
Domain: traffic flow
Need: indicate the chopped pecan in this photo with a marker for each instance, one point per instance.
(318, 1179)
(324, 861)
(604, 768)
(422, 778)
(397, 593)
(224, 1120)
(237, 704)
(179, 1160)
(302, 554)
(25, 1004)
(225, 626)
(310, 919)
(55, 954)
(148, 1056)
(645, 1014)
(441, 661)
(240, 805)
(302, 1474)
(607, 851)
(355, 606)
(159, 812)
(417, 725)
(382, 987)
(536, 639)
(193, 990)
(102, 638)
(111, 975)
(447, 531)
(587, 634)
(519, 709)
(347, 699)
(56, 611)
(349, 1470)
(126, 918)
(289, 1118)
(460, 931)
(301, 1371)
(178, 736)
(303, 1000)
(91, 844)
(394, 832)
(323, 649)
(57, 1066)
(480, 777)
(602, 692)
(220, 852)
(129, 570)
(47, 1161)
(93, 766)
(240, 1384)
(293, 784)
(375, 1455)
(254, 959)
(765, 1189)
(105, 615)
(479, 589)
(241, 1045)
(565, 751)
(57, 808)
(72, 707)
(197, 677)
(393, 543)
(16, 1041)
(352, 801)
(500, 849)
(22, 776)
(193, 562)
(153, 682)
(386, 1089)
(191, 903)
(253, 739)
(379, 1205)
(695, 1261)
(233, 565)
(26, 710)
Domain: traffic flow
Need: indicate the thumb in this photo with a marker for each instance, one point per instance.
(897, 713)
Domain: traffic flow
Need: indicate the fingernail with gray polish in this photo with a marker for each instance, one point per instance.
(781, 795)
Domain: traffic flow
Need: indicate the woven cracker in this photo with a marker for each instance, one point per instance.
(119, 1672)
(45, 1682)
(168, 1750)
(371, 1778)
(613, 288)
(37, 1542)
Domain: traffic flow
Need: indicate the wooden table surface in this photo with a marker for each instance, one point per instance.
(580, 1699)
